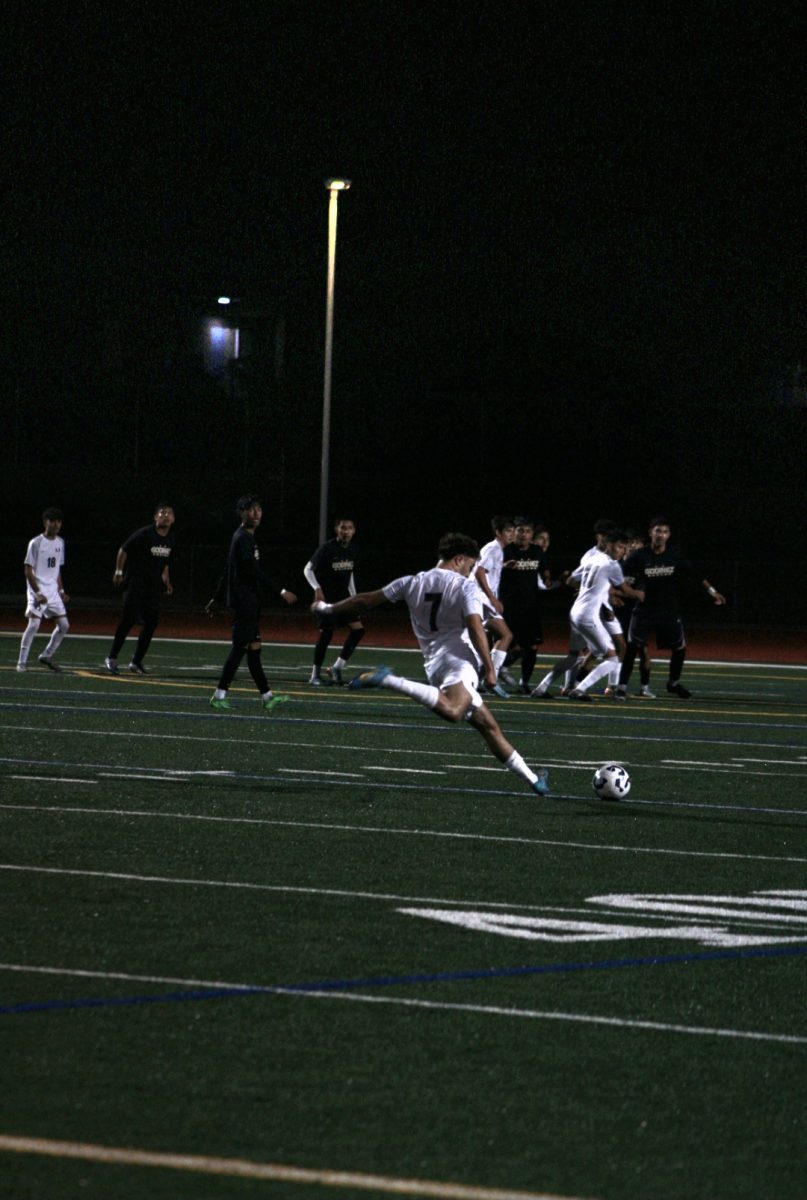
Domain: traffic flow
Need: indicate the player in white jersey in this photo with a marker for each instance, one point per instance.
(488, 573)
(599, 571)
(445, 608)
(46, 595)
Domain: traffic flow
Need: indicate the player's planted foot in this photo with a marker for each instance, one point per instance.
(111, 665)
(370, 679)
(273, 701)
(678, 689)
(541, 785)
(49, 663)
(336, 675)
(138, 668)
(22, 667)
(574, 694)
(222, 705)
(645, 693)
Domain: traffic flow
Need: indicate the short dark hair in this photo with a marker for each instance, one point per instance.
(604, 525)
(498, 523)
(52, 514)
(524, 521)
(659, 521)
(452, 544)
(338, 520)
(616, 535)
(162, 504)
(247, 501)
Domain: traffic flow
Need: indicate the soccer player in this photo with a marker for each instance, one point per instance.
(488, 575)
(445, 608)
(520, 588)
(599, 572)
(142, 570)
(331, 573)
(656, 568)
(45, 592)
(240, 587)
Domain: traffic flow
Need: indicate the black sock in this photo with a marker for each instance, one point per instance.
(256, 671)
(351, 642)
(230, 667)
(677, 664)
(627, 663)
(321, 647)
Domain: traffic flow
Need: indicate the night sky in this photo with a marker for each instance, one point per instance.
(570, 273)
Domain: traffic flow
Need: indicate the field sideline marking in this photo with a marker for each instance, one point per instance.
(395, 830)
(246, 1169)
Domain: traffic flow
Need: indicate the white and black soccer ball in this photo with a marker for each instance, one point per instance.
(611, 781)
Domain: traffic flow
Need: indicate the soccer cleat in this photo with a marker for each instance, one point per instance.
(336, 675)
(49, 663)
(574, 694)
(678, 689)
(138, 668)
(506, 678)
(316, 681)
(370, 679)
(498, 690)
(645, 693)
(272, 702)
(222, 705)
(111, 665)
(541, 785)
(22, 667)
(523, 688)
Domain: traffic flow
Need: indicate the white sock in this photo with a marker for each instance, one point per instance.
(56, 638)
(339, 663)
(498, 657)
(516, 764)
(220, 694)
(267, 695)
(606, 667)
(424, 693)
(28, 637)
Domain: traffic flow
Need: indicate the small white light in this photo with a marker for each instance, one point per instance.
(224, 300)
(337, 185)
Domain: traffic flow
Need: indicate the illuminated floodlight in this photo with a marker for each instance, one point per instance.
(337, 185)
(224, 300)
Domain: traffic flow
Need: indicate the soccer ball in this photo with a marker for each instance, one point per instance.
(611, 781)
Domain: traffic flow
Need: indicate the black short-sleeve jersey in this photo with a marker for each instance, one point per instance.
(147, 555)
(334, 564)
(657, 576)
(519, 583)
(243, 575)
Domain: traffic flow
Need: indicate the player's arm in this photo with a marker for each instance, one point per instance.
(60, 586)
(312, 581)
(120, 563)
(484, 583)
(166, 578)
(358, 603)
(33, 584)
(625, 589)
(714, 593)
(479, 641)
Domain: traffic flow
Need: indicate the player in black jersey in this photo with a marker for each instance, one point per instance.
(656, 569)
(142, 569)
(523, 565)
(331, 573)
(240, 588)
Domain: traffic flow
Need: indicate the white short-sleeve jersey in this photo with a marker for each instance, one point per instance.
(46, 558)
(438, 601)
(491, 557)
(597, 573)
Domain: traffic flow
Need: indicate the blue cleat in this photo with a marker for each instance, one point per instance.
(498, 690)
(541, 785)
(370, 679)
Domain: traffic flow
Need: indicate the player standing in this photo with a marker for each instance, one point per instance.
(520, 588)
(46, 596)
(331, 573)
(142, 569)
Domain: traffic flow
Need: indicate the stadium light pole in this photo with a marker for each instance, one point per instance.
(334, 187)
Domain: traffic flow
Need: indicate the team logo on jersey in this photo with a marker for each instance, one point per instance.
(161, 551)
(769, 918)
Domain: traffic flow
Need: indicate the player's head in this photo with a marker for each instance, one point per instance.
(163, 515)
(503, 526)
(459, 549)
(541, 536)
(525, 528)
(345, 529)
(602, 528)
(615, 543)
(52, 514)
(250, 510)
(659, 530)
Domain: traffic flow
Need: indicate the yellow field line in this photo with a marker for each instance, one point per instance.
(268, 1171)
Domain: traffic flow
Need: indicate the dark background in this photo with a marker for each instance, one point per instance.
(570, 274)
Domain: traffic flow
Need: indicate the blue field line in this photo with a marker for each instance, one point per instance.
(386, 981)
